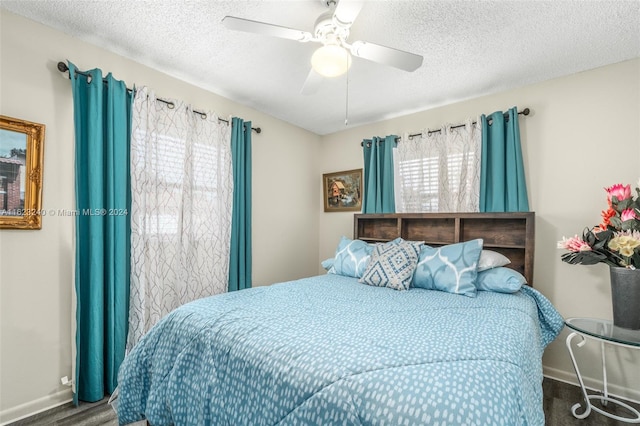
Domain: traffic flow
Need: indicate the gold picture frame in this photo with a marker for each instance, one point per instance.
(342, 191)
(21, 163)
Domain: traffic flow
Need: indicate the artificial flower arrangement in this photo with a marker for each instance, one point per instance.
(616, 240)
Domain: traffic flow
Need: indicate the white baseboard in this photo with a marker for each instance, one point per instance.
(592, 384)
(51, 401)
(34, 407)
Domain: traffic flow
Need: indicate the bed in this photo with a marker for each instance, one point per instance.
(332, 350)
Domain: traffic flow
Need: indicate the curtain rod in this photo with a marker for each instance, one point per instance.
(525, 111)
(62, 67)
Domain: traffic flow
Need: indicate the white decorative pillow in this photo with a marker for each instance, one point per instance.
(392, 265)
(491, 259)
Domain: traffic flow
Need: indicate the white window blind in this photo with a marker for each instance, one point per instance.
(439, 171)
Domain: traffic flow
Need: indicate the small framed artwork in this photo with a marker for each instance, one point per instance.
(342, 191)
(21, 160)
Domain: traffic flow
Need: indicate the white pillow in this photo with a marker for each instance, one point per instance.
(491, 259)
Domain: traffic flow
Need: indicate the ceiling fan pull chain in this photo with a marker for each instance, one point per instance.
(346, 106)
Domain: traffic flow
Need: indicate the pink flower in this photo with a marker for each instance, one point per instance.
(574, 244)
(628, 214)
(619, 191)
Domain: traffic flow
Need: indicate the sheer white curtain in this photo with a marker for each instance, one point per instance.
(181, 199)
(439, 171)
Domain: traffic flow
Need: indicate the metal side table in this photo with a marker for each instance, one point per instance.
(606, 333)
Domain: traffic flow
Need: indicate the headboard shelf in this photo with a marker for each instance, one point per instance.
(511, 234)
(514, 246)
(375, 240)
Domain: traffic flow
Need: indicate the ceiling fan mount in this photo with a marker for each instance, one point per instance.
(328, 30)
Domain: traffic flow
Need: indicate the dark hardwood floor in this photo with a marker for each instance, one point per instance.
(87, 414)
(559, 397)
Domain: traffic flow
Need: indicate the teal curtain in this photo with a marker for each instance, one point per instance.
(502, 182)
(240, 257)
(102, 121)
(378, 175)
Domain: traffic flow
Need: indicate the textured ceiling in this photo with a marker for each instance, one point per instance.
(470, 48)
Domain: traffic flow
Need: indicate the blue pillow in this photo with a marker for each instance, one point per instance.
(392, 265)
(500, 280)
(452, 268)
(351, 259)
(327, 263)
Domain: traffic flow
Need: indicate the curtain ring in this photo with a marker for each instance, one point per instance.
(171, 105)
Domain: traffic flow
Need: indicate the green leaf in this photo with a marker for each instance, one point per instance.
(624, 204)
(635, 259)
(616, 222)
(583, 258)
(627, 225)
(601, 239)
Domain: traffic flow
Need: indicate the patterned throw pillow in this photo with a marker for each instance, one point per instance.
(500, 280)
(392, 265)
(451, 268)
(351, 259)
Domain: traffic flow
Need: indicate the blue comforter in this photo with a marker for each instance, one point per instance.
(328, 350)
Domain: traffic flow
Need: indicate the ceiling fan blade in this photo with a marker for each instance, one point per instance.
(347, 11)
(240, 24)
(386, 55)
(312, 83)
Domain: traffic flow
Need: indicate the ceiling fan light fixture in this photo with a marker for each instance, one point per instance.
(331, 60)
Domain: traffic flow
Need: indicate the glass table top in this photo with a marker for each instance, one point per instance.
(605, 330)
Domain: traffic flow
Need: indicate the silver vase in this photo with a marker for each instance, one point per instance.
(625, 297)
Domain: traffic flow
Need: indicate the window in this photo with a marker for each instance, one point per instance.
(438, 171)
(181, 185)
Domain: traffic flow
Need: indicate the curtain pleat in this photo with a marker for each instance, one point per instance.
(240, 259)
(378, 175)
(502, 180)
(102, 121)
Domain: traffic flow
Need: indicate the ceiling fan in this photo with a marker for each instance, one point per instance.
(331, 30)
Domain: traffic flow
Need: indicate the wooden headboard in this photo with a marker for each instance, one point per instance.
(512, 234)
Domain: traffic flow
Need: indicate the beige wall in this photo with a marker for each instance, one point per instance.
(583, 134)
(35, 266)
(576, 122)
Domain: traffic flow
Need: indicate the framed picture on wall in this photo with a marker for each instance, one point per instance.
(342, 191)
(21, 159)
